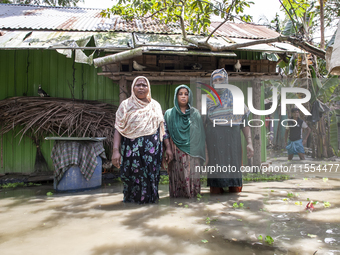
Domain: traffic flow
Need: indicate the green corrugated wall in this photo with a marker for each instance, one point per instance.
(21, 72)
(165, 95)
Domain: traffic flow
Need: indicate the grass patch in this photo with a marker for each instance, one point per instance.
(258, 177)
(164, 179)
(18, 184)
(204, 179)
(248, 177)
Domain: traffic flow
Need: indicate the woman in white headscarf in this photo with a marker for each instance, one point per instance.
(137, 149)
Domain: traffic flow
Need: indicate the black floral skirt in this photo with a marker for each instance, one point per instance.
(140, 168)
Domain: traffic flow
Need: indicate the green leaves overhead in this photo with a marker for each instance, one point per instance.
(323, 90)
(300, 15)
(299, 6)
(195, 14)
(289, 28)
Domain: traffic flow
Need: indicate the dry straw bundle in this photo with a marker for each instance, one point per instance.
(46, 116)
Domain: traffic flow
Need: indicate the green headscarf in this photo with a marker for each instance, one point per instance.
(186, 129)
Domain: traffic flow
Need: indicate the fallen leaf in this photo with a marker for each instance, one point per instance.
(269, 240)
(311, 236)
(326, 204)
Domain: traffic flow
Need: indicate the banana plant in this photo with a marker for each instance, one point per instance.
(323, 91)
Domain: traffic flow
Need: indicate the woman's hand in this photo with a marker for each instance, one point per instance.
(250, 150)
(116, 158)
(169, 156)
(168, 151)
(206, 156)
(247, 135)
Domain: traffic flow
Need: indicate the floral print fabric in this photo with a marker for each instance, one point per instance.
(183, 180)
(140, 167)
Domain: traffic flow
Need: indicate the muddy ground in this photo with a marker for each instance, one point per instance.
(96, 222)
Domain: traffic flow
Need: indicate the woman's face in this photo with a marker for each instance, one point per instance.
(183, 97)
(141, 89)
(218, 79)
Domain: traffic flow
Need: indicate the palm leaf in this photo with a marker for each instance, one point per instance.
(289, 29)
(328, 88)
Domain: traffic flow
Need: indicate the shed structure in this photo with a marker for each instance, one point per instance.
(61, 49)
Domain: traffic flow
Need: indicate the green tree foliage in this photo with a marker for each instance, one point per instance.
(303, 16)
(194, 15)
(300, 17)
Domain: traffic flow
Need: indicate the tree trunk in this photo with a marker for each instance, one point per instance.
(322, 25)
(181, 20)
(314, 140)
(323, 139)
(257, 130)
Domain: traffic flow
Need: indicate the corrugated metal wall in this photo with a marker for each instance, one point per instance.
(244, 87)
(21, 72)
(164, 94)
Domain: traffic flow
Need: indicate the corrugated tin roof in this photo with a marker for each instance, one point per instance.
(246, 31)
(60, 39)
(57, 27)
(117, 41)
(29, 17)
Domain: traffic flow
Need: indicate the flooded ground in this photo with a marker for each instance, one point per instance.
(96, 222)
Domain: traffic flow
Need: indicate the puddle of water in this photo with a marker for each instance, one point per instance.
(97, 222)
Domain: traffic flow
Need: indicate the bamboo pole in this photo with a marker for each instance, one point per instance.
(128, 54)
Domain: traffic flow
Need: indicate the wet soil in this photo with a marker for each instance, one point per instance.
(96, 222)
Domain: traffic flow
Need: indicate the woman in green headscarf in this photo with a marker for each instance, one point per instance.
(187, 134)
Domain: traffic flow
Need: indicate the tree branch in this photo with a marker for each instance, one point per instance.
(225, 20)
(181, 19)
(289, 16)
(155, 13)
(296, 15)
(296, 42)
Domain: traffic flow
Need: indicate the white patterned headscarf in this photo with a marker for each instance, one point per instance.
(136, 118)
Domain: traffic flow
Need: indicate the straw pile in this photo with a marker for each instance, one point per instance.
(46, 116)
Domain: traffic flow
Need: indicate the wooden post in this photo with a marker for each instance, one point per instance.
(198, 97)
(257, 130)
(123, 89)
